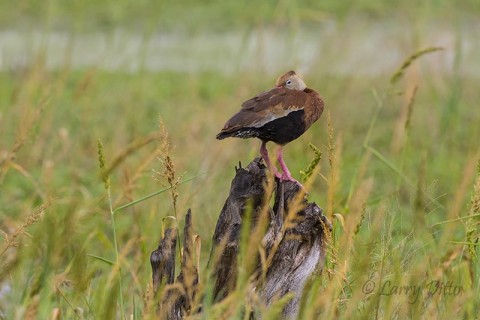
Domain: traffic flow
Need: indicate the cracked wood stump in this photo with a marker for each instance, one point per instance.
(178, 298)
(293, 242)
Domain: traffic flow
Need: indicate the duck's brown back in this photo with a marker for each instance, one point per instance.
(279, 115)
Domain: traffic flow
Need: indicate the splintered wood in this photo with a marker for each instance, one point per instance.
(285, 246)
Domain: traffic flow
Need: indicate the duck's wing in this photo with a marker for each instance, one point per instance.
(266, 107)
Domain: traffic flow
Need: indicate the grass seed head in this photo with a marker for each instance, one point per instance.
(307, 173)
(102, 163)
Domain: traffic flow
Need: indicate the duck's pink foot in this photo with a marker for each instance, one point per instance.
(287, 176)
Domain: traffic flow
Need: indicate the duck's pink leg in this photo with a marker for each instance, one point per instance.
(286, 173)
(272, 168)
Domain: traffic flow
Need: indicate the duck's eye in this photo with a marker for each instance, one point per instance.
(288, 83)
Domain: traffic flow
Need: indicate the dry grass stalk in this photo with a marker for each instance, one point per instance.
(410, 104)
(24, 133)
(32, 309)
(360, 220)
(84, 84)
(56, 314)
(447, 260)
(360, 197)
(130, 182)
(462, 189)
(403, 124)
(11, 240)
(333, 160)
(168, 173)
(420, 198)
(115, 279)
(131, 148)
(331, 142)
(401, 71)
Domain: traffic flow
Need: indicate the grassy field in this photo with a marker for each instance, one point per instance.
(399, 175)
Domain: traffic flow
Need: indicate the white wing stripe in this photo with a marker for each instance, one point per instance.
(272, 116)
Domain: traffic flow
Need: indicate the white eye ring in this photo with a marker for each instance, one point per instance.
(289, 82)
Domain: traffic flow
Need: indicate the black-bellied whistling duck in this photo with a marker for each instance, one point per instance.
(281, 115)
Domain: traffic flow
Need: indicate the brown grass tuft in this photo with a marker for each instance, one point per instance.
(169, 172)
(11, 240)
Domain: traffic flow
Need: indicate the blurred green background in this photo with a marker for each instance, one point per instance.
(72, 72)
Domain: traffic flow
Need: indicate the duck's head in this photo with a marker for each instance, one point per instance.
(291, 80)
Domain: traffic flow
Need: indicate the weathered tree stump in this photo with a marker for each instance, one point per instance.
(293, 243)
(177, 300)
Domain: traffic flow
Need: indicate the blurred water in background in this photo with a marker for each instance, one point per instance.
(359, 47)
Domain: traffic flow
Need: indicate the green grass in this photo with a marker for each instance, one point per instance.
(213, 15)
(401, 194)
